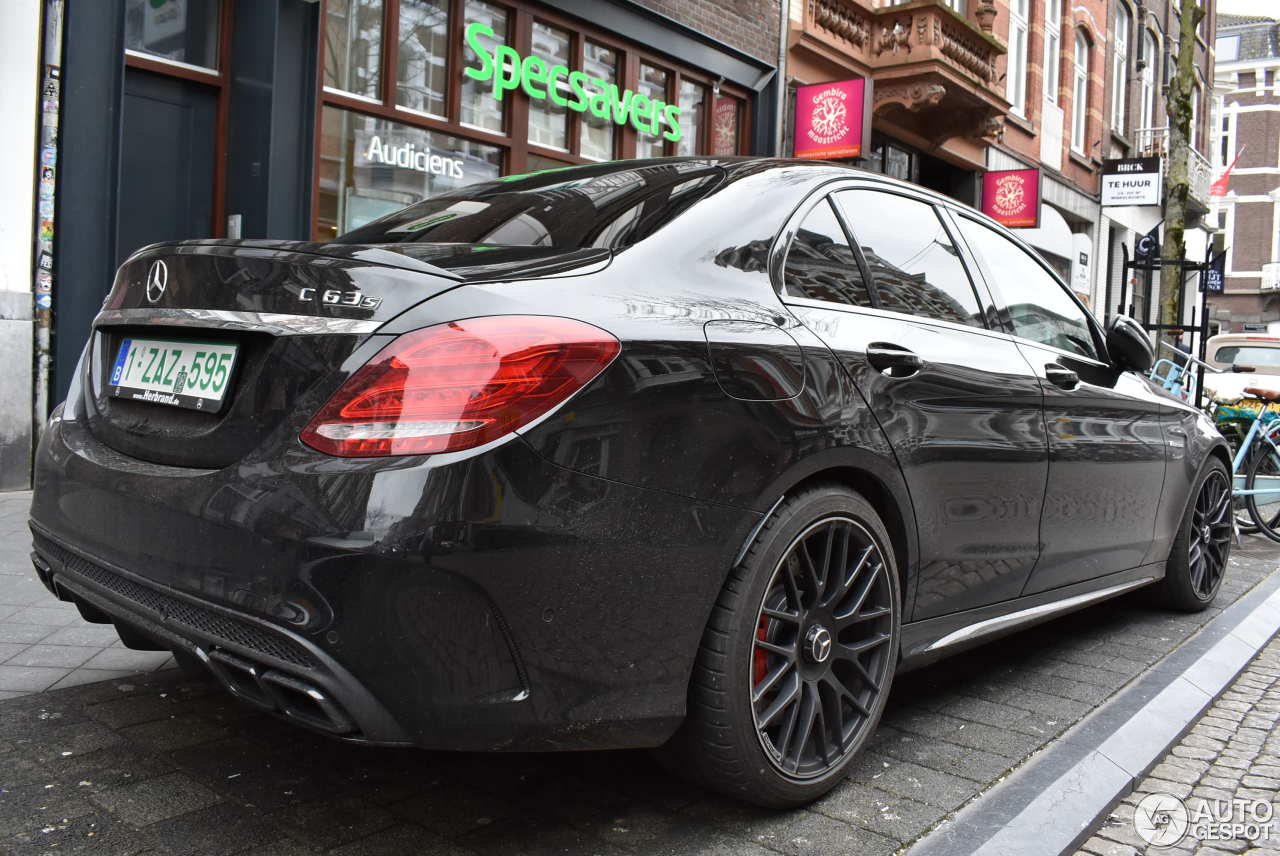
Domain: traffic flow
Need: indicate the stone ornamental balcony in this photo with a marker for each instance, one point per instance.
(1154, 142)
(934, 71)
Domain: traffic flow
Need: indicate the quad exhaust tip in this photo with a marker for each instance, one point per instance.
(276, 692)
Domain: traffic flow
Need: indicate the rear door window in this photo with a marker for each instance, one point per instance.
(915, 268)
(1037, 305)
(820, 263)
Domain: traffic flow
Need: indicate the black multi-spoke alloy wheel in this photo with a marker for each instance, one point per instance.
(797, 659)
(1198, 560)
(1264, 475)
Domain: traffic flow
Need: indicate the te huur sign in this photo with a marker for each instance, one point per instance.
(1131, 181)
(573, 90)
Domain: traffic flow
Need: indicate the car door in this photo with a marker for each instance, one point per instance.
(876, 275)
(1106, 446)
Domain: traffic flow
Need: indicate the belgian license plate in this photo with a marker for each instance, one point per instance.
(194, 375)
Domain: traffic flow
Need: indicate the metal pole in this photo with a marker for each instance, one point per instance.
(780, 114)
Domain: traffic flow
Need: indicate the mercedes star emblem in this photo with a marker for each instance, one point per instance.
(157, 279)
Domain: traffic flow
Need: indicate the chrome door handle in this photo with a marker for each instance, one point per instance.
(893, 360)
(1061, 377)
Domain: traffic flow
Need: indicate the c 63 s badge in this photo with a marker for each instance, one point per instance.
(334, 297)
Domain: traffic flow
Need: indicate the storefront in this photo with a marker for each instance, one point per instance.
(303, 119)
(468, 91)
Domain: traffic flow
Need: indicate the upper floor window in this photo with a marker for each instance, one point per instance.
(1016, 81)
(1080, 94)
(1052, 48)
(1120, 68)
(1147, 80)
(1195, 117)
(1227, 48)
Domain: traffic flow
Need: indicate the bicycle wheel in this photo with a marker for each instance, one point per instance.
(1264, 475)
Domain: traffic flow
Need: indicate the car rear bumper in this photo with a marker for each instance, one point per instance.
(487, 602)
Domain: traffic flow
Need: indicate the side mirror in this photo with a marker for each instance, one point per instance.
(1129, 345)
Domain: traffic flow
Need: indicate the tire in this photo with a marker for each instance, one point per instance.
(790, 644)
(1198, 560)
(1264, 472)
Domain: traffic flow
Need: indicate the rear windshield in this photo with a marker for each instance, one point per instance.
(610, 205)
(1249, 355)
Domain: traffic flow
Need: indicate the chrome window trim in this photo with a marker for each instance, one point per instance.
(276, 323)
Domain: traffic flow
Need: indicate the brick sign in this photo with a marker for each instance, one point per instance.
(1011, 197)
(832, 120)
(1131, 181)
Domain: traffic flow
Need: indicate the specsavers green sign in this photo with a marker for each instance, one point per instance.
(542, 80)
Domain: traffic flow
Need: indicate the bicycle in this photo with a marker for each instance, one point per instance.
(1255, 465)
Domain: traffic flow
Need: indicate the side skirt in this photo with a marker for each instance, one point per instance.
(924, 642)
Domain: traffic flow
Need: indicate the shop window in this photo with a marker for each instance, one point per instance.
(891, 160)
(653, 85)
(183, 31)
(371, 167)
(598, 63)
(479, 108)
(820, 263)
(1080, 95)
(537, 163)
(693, 98)
(353, 46)
(548, 121)
(726, 125)
(422, 73)
(1052, 48)
(1016, 84)
(1120, 68)
(915, 268)
(1038, 306)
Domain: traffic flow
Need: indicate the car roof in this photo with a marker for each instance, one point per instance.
(1259, 339)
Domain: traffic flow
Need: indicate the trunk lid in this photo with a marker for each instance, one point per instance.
(301, 316)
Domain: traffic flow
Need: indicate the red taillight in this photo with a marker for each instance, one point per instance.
(459, 385)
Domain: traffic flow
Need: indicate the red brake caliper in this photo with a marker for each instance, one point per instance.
(760, 657)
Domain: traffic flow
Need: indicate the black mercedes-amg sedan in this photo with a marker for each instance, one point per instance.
(692, 453)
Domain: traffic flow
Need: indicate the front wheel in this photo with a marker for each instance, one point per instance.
(1198, 560)
(797, 658)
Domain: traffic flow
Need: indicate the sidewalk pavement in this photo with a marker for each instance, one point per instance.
(1218, 787)
(158, 762)
(44, 644)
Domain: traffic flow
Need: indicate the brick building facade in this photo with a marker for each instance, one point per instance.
(749, 25)
(1248, 124)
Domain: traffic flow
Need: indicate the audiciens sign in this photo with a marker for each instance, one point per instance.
(573, 90)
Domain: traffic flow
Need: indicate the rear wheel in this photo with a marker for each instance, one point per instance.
(796, 661)
(1199, 556)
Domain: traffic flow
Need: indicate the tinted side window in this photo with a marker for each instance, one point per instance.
(1039, 307)
(821, 265)
(915, 267)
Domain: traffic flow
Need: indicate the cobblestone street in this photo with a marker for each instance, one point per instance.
(1232, 753)
(156, 762)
